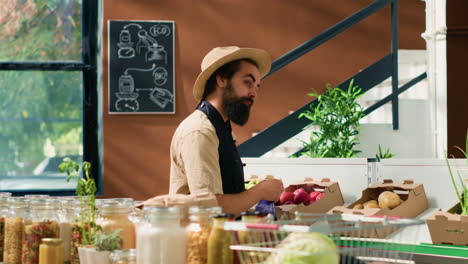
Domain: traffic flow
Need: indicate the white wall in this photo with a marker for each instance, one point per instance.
(414, 139)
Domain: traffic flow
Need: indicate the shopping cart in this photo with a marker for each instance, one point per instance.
(356, 237)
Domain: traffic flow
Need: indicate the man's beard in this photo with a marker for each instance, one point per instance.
(235, 109)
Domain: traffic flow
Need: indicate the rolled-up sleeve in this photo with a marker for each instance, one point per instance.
(199, 154)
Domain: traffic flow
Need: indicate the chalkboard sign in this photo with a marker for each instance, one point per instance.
(141, 67)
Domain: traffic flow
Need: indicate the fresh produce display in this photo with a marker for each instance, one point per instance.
(254, 180)
(316, 248)
(386, 199)
(251, 183)
(389, 200)
(299, 196)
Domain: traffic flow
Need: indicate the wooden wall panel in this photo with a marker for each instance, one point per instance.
(457, 88)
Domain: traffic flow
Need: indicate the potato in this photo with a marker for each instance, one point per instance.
(358, 206)
(371, 205)
(389, 200)
(370, 201)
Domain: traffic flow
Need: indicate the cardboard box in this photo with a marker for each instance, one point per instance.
(332, 197)
(449, 227)
(413, 196)
(414, 203)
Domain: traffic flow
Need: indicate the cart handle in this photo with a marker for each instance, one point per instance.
(262, 226)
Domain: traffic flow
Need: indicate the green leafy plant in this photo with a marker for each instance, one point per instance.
(86, 190)
(462, 193)
(386, 155)
(337, 114)
(109, 242)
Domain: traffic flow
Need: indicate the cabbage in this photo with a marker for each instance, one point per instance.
(302, 248)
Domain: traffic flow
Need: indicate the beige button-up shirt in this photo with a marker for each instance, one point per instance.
(194, 157)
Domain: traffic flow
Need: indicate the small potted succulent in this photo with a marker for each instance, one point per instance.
(102, 248)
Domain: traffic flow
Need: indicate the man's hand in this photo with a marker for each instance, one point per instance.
(270, 189)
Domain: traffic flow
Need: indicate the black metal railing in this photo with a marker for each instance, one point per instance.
(386, 67)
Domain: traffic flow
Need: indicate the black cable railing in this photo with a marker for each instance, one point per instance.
(291, 125)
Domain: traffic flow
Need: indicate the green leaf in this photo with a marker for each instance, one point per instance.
(337, 113)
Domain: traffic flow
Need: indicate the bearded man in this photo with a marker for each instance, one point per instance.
(204, 157)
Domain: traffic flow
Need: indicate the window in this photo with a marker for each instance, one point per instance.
(48, 92)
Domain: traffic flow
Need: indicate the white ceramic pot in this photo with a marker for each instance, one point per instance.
(93, 256)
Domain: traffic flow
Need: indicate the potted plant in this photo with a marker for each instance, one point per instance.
(384, 155)
(451, 226)
(102, 248)
(337, 114)
(84, 232)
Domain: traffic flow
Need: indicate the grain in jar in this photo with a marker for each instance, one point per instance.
(198, 232)
(114, 214)
(14, 228)
(42, 222)
(160, 237)
(3, 215)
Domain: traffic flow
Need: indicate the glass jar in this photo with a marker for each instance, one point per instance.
(123, 256)
(65, 223)
(198, 232)
(3, 215)
(80, 209)
(249, 237)
(51, 251)
(114, 214)
(161, 237)
(36, 196)
(219, 242)
(42, 222)
(14, 228)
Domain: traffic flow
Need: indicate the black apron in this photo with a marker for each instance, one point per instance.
(232, 169)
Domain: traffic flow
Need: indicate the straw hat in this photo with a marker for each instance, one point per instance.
(219, 56)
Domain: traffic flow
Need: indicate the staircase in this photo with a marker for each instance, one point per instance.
(414, 139)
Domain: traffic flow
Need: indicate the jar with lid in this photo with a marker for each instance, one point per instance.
(249, 237)
(161, 237)
(114, 214)
(65, 223)
(127, 256)
(219, 242)
(36, 196)
(80, 210)
(51, 251)
(41, 222)
(198, 232)
(14, 228)
(3, 215)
